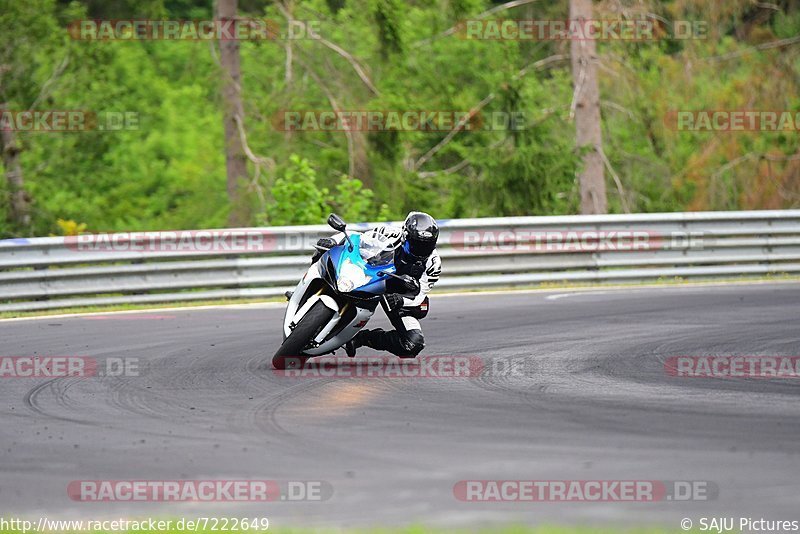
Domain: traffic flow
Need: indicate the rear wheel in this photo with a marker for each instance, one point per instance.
(290, 354)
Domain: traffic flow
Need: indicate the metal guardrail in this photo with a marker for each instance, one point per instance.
(163, 267)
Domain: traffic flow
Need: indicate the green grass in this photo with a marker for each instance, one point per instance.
(545, 529)
(134, 307)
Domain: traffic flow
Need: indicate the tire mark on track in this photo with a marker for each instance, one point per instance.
(31, 400)
(265, 414)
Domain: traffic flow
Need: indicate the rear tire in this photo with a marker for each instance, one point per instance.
(290, 354)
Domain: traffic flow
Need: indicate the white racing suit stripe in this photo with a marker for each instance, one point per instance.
(410, 323)
(433, 268)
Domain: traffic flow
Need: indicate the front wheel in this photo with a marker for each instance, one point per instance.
(290, 354)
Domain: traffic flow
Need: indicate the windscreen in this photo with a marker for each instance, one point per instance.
(377, 248)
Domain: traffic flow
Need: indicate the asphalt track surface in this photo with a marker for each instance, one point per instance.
(594, 403)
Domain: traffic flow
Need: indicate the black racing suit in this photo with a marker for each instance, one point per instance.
(406, 340)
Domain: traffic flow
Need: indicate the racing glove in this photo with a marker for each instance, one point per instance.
(323, 244)
(411, 284)
(404, 284)
(394, 300)
(326, 242)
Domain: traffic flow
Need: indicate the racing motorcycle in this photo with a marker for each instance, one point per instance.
(337, 295)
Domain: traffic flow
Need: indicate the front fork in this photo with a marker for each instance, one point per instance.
(329, 302)
(333, 323)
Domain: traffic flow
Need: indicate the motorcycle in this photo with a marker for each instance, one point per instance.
(336, 296)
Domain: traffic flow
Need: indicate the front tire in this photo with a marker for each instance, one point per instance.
(290, 354)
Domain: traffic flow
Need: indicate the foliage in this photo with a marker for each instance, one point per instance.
(297, 199)
(169, 172)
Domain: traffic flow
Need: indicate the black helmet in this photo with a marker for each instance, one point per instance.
(420, 233)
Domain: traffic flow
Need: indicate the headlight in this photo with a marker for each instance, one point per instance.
(345, 285)
(351, 276)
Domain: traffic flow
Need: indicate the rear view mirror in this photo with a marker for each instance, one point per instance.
(336, 222)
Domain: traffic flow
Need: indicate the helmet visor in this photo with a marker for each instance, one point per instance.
(419, 249)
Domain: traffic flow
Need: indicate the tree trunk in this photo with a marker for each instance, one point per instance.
(20, 214)
(233, 110)
(587, 114)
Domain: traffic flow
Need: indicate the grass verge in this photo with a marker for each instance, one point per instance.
(545, 529)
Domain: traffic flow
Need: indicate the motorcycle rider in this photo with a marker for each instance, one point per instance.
(406, 300)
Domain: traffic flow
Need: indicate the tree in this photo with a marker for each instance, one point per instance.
(586, 105)
(20, 215)
(27, 32)
(233, 120)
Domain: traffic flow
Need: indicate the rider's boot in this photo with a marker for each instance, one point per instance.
(404, 346)
(358, 341)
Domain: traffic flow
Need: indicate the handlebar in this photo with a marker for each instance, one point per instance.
(387, 273)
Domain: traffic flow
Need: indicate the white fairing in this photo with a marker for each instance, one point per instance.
(295, 312)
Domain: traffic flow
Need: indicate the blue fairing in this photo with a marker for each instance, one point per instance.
(340, 253)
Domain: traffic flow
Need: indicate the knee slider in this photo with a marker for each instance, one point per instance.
(414, 342)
